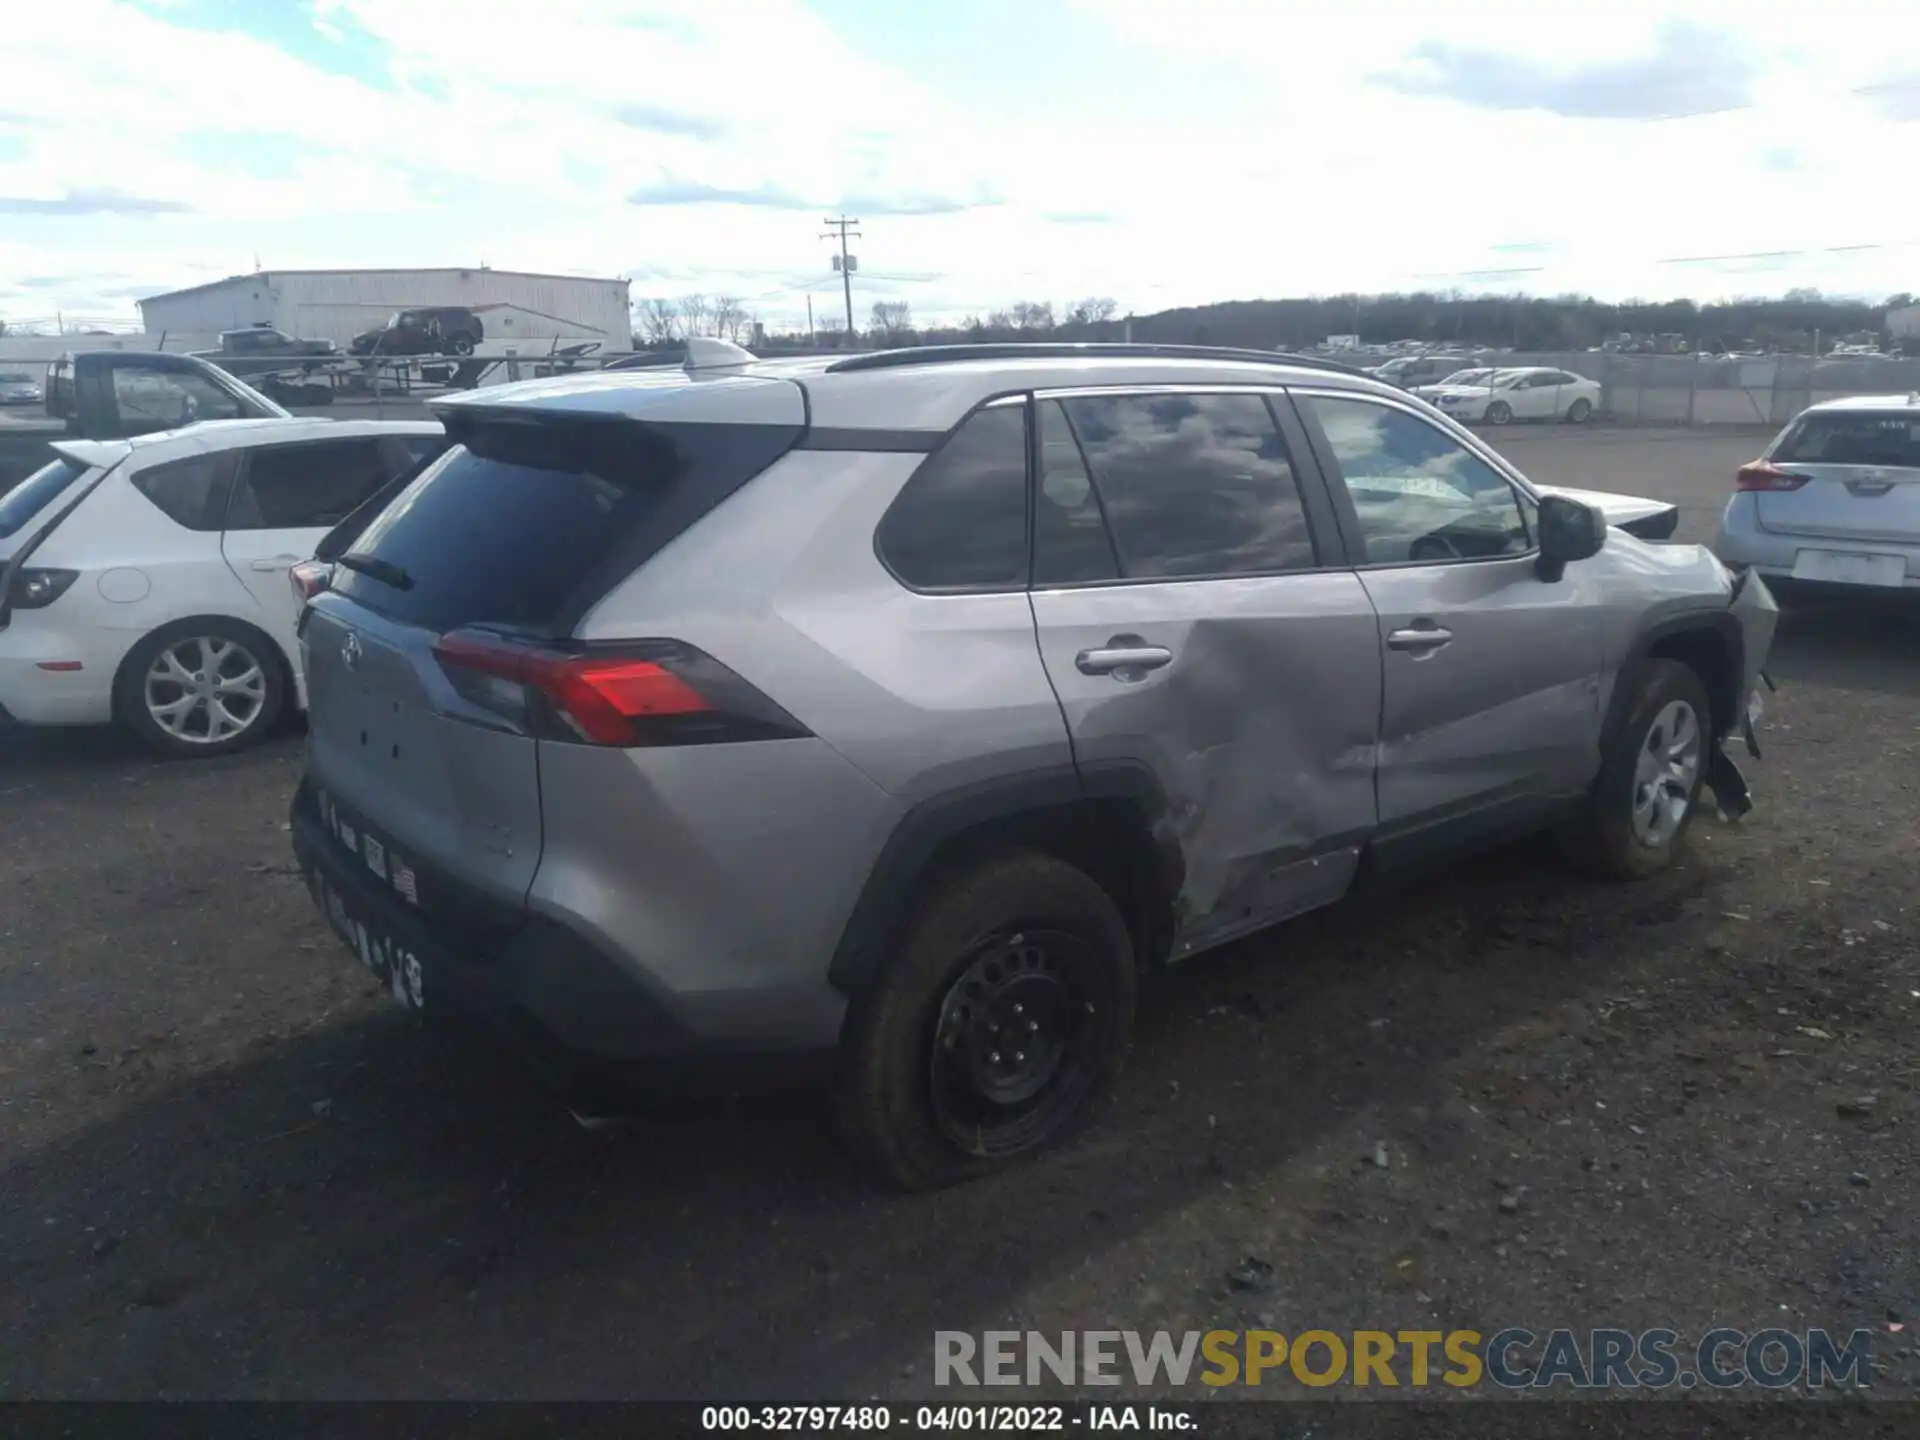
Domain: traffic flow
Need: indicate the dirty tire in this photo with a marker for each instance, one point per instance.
(1499, 413)
(893, 1094)
(131, 695)
(1603, 839)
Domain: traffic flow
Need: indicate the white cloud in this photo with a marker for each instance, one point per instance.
(1376, 145)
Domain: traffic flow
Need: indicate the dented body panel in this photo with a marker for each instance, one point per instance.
(1260, 727)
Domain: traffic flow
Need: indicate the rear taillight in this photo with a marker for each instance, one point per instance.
(1765, 475)
(648, 692)
(309, 578)
(37, 589)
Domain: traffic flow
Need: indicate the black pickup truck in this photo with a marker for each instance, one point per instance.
(115, 394)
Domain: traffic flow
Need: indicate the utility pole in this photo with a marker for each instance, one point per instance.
(812, 339)
(845, 263)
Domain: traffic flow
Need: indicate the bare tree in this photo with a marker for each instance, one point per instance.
(696, 315)
(1093, 310)
(728, 318)
(892, 318)
(1033, 315)
(659, 320)
(1000, 320)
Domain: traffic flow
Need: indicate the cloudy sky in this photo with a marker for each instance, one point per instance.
(1163, 152)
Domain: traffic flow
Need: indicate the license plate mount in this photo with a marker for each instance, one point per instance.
(1850, 567)
(391, 961)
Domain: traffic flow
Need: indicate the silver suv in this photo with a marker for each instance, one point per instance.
(892, 715)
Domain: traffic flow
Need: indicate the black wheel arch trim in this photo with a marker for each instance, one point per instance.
(929, 826)
(1722, 623)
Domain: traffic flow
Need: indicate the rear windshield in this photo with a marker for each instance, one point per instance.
(1840, 437)
(35, 493)
(526, 523)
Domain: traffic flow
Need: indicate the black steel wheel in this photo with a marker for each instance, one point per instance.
(1016, 1044)
(996, 1027)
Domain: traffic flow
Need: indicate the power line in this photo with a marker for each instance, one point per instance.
(846, 261)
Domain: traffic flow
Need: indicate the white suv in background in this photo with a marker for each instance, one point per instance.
(145, 581)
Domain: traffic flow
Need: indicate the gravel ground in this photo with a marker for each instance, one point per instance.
(229, 1169)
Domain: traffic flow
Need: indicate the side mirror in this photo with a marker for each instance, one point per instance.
(1569, 531)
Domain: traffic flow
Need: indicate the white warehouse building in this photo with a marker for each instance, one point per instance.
(336, 305)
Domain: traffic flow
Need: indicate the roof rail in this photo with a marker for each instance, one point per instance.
(1065, 350)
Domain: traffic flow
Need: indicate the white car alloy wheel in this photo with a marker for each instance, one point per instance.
(205, 690)
(1666, 773)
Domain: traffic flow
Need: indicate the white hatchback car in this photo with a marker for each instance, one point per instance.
(1498, 396)
(145, 581)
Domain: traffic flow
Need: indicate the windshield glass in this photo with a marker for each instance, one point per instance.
(14, 377)
(33, 494)
(1860, 437)
(1467, 377)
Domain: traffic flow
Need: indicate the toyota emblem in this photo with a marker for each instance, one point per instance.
(350, 650)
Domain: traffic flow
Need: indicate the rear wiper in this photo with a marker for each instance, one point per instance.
(384, 571)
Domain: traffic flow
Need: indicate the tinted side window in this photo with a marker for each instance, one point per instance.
(1070, 538)
(192, 492)
(293, 487)
(960, 523)
(1420, 495)
(1193, 485)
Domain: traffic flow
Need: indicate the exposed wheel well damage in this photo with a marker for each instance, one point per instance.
(1710, 654)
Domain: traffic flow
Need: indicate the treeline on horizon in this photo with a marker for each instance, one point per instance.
(1798, 321)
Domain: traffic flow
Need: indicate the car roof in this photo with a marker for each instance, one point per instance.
(1910, 401)
(922, 389)
(210, 435)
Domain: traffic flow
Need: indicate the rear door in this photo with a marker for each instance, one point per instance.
(1196, 620)
(1532, 397)
(285, 499)
(1861, 482)
(518, 529)
(1490, 711)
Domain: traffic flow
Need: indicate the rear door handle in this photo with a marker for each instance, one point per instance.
(278, 562)
(1421, 639)
(1110, 659)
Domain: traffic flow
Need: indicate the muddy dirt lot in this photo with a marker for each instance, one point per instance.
(231, 1169)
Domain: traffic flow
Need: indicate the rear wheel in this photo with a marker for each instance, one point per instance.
(463, 344)
(1579, 412)
(203, 687)
(1650, 778)
(1499, 413)
(996, 1029)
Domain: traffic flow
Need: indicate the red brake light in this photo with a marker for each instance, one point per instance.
(656, 692)
(1765, 475)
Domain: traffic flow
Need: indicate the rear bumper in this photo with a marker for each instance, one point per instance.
(1742, 541)
(34, 696)
(584, 1021)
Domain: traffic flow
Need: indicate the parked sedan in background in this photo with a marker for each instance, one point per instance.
(1834, 500)
(1533, 393)
(19, 388)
